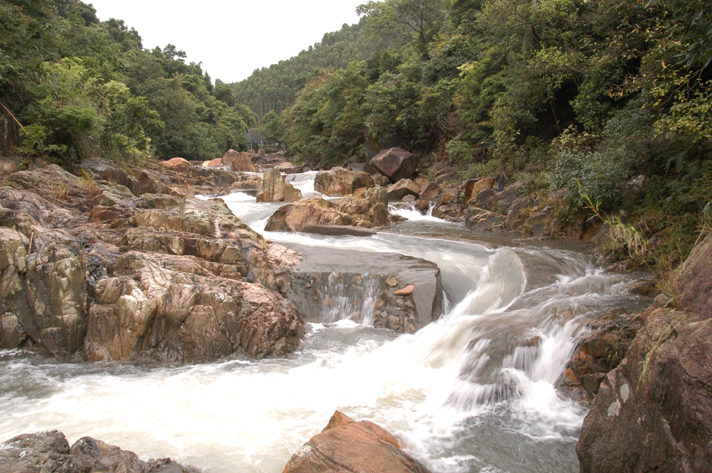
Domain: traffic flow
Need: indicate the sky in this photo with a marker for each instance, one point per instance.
(231, 38)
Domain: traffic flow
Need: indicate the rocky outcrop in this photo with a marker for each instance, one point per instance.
(598, 353)
(91, 271)
(396, 163)
(49, 452)
(403, 188)
(654, 412)
(368, 209)
(314, 211)
(238, 161)
(330, 283)
(338, 182)
(356, 447)
(275, 189)
(483, 220)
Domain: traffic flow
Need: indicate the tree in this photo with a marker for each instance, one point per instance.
(417, 22)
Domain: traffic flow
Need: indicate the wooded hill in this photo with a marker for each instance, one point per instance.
(275, 87)
(608, 99)
(72, 86)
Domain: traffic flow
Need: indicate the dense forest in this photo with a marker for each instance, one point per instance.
(72, 86)
(275, 87)
(602, 98)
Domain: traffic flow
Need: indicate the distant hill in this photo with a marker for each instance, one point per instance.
(275, 87)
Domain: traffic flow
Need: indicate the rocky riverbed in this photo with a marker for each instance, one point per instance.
(125, 264)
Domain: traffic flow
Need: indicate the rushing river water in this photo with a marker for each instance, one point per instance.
(471, 392)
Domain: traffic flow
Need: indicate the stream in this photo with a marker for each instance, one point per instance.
(472, 392)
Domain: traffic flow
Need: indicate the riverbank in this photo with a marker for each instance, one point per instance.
(489, 364)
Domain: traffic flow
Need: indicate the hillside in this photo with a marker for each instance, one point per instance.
(275, 87)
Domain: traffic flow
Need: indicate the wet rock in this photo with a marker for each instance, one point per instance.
(396, 163)
(403, 188)
(367, 209)
(597, 354)
(654, 411)
(275, 189)
(338, 230)
(358, 281)
(238, 161)
(49, 452)
(483, 220)
(338, 182)
(349, 446)
(314, 211)
(148, 311)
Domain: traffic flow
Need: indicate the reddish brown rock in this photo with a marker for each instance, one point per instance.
(238, 161)
(396, 163)
(654, 411)
(275, 189)
(475, 186)
(213, 163)
(402, 188)
(356, 447)
(338, 182)
(406, 291)
(175, 162)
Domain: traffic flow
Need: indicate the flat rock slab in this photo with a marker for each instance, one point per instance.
(331, 284)
(337, 230)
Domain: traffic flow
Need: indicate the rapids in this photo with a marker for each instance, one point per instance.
(471, 392)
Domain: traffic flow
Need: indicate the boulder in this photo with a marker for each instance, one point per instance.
(49, 452)
(338, 182)
(430, 191)
(510, 193)
(314, 211)
(396, 163)
(475, 186)
(356, 447)
(367, 209)
(486, 199)
(275, 189)
(654, 411)
(174, 162)
(213, 163)
(238, 161)
(403, 188)
(289, 168)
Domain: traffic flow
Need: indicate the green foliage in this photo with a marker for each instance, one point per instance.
(86, 88)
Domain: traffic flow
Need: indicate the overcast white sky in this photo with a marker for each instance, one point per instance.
(231, 38)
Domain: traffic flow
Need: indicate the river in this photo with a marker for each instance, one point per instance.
(471, 392)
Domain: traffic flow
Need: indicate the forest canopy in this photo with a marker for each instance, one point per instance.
(72, 86)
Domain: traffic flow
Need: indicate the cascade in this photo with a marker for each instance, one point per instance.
(473, 391)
